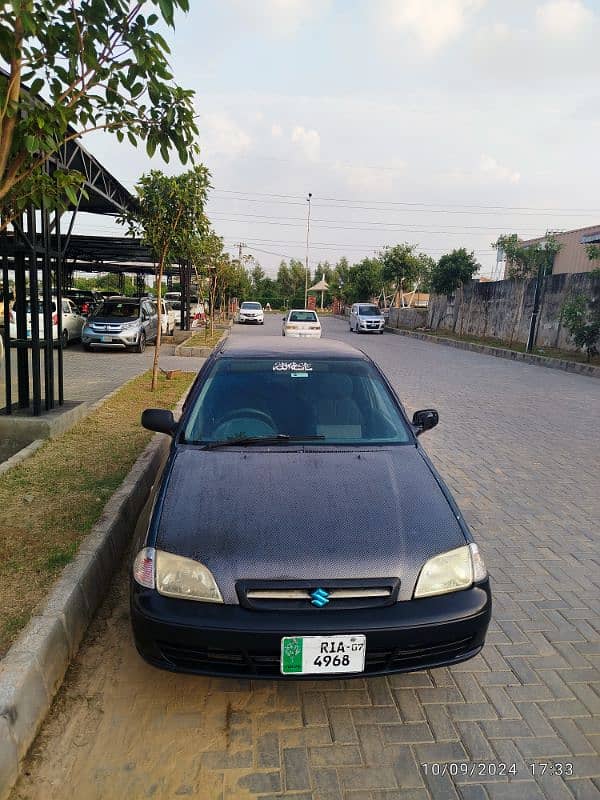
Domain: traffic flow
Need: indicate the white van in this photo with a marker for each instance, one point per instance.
(366, 318)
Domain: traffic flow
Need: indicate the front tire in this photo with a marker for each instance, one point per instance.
(65, 339)
(141, 345)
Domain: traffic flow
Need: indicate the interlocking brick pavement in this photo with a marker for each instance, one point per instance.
(518, 446)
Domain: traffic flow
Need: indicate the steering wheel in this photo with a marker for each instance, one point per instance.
(265, 427)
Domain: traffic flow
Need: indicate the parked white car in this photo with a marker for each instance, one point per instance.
(72, 321)
(167, 317)
(302, 323)
(366, 318)
(250, 311)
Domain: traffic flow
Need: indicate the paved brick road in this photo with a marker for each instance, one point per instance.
(519, 447)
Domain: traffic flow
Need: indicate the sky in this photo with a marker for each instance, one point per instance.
(444, 123)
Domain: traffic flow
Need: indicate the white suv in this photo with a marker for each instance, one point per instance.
(250, 311)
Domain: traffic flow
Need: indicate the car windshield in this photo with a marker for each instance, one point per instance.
(40, 307)
(369, 311)
(343, 401)
(252, 306)
(302, 316)
(118, 308)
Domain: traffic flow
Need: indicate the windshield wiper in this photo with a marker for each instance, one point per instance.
(280, 438)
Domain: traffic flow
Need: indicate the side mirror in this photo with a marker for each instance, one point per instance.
(425, 419)
(159, 420)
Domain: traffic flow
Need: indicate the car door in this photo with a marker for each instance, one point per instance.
(72, 320)
(151, 320)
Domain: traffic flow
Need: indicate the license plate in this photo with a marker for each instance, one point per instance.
(318, 655)
(106, 338)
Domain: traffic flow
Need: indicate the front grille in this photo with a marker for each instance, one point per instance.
(343, 595)
(261, 664)
(108, 327)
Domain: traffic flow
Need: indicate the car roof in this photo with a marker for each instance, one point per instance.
(280, 347)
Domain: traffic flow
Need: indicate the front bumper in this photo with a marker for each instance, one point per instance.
(244, 319)
(121, 339)
(207, 639)
(371, 328)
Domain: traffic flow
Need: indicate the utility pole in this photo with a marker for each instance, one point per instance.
(306, 266)
(240, 245)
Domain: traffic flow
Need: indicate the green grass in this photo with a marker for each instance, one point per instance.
(52, 500)
(204, 339)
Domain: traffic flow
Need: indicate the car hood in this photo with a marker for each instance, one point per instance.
(306, 515)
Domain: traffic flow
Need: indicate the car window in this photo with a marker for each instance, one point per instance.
(369, 311)
(252, 306)
(118, 308)
(344, 401)
(302, 316)
(40, 307)
(66, 307)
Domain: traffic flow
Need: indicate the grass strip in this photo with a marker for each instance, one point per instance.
(517, 347)
(50, 502)
(204, 339)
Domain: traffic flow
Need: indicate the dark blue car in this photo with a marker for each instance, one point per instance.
(299, 528)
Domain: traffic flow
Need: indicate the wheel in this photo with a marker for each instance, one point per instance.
(263, 322)
(141, 345)
(381, 332)
(87, 347)
(65, 338)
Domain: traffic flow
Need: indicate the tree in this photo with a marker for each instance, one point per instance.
(98, 65)
(364, 280)
(400, 265)
(452, 271)
(582, 319)
(207, 257)
(525, 262)
(258, 277)
(169, 217)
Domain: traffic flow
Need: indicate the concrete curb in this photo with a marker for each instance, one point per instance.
(21, 455)
(500, 352)
(34, 667)
(198, 352)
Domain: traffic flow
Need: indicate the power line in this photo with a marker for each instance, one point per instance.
(426, 204)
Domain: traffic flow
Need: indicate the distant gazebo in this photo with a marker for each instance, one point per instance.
(322, 286)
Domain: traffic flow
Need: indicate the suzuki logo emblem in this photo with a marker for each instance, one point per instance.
(320, 598)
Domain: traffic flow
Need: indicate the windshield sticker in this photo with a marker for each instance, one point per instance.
(292, 366)
(299, 374)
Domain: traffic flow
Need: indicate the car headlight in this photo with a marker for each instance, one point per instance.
(127, 325)
(451, 571)
(175, 576)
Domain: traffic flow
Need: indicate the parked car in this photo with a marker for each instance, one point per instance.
(344, 555)
(72, 321)
(86, 301)
(167, 317)
(122, 322)
(301, 322)
(366, 318)
(197, 308)
(250, 311)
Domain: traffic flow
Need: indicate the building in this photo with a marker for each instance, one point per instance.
(572, 256)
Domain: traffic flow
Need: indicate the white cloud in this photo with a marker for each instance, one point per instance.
(280, 18)
(221, 135)
(490, 167)
(276, 131)
(308, 141)
(563, 18)
(433, 23)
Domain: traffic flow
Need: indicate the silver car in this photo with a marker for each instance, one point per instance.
(122, 322)
(366, 318)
